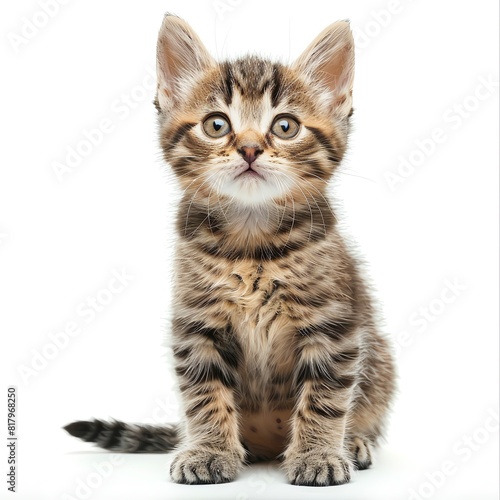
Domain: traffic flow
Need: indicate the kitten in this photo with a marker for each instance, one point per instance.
(274, 338)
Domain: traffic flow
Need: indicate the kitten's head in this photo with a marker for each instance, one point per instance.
(252, 131)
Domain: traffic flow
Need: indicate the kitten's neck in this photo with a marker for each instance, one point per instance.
(264, 231)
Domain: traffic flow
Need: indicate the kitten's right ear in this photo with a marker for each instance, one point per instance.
(180, 57)
(330, 59)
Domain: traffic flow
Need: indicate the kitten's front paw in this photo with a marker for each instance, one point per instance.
(203, 466)
(317, 468)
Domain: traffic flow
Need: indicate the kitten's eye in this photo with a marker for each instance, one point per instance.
(216, 126)
(285, 127)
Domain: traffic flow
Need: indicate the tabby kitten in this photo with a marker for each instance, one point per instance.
(274, 338)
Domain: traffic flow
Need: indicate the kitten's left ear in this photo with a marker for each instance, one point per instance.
(330, 59)
(181, 56)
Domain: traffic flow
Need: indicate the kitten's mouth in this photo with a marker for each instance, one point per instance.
(250, 172)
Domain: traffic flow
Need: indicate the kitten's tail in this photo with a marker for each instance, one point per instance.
(126, 438)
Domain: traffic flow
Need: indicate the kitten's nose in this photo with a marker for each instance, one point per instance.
(250, 153)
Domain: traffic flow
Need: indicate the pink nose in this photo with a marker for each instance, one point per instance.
(249, 153)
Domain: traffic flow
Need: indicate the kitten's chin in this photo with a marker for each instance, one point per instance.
(252, 188)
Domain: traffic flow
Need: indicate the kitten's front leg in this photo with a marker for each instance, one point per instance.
(206, 364)
(325, 377)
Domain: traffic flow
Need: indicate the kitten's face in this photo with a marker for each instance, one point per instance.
(251, 131)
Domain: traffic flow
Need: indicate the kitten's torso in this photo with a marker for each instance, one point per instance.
(270, 294)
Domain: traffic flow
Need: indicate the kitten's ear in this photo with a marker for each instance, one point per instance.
(180, 57)
(330, 59)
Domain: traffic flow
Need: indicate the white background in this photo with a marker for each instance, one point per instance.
(62, 238)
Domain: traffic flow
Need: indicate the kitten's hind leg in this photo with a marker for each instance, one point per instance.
(374, 395)
(361, 450)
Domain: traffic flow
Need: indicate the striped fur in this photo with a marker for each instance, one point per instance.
(126, 438)
(275, 343)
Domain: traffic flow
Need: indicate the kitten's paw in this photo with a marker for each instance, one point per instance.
(203, 466)
(317, 468)
(361, 450)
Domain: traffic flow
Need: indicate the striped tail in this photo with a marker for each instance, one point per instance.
(126, 438)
